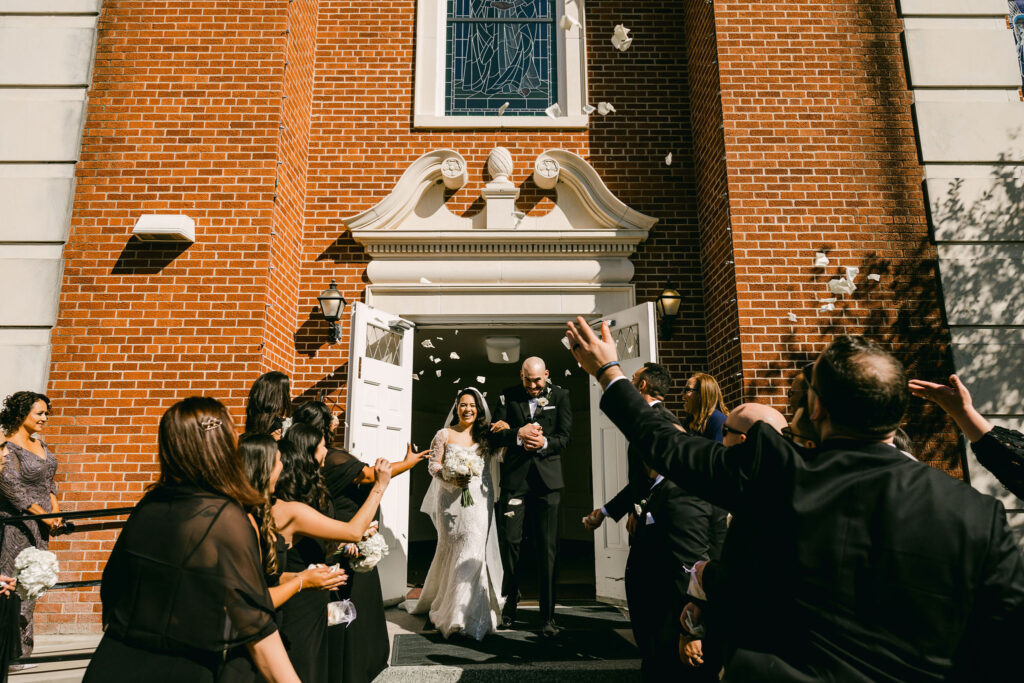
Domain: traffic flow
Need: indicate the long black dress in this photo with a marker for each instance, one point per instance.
(358, 652)
(240, 668)
(183, 588)
(304, 617)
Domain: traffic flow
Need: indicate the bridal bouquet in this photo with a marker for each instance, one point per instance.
(36, 572)
(371, 551)
(461, 464)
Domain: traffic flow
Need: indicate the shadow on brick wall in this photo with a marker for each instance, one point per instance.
(147, 258)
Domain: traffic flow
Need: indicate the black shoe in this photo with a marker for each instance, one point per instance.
(549, 630)
(508, 614)
(428, 625)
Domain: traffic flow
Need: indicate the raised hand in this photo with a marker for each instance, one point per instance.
(382, 471)
(590, 351)
(410, 456)
(956, 401)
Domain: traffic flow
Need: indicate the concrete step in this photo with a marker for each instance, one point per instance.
(620, 671)
(70, 671)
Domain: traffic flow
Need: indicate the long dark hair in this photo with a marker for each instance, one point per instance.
(481, 429)
(301, 479)
(197, 446)
(270, 401)
(316, 414)
(259, 453)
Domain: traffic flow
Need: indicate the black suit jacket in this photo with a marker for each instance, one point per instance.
(555, 419)
(637, 483)
(678, 537)
(850, 563)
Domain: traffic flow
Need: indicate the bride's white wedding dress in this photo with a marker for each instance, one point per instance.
(462, 591)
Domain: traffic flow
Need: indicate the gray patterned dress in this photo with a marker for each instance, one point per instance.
(26, 479)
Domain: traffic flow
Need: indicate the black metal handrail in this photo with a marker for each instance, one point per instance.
(67, 528)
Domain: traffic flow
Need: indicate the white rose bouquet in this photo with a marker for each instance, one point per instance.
(462, 464)
(371, 551)
(36, 572)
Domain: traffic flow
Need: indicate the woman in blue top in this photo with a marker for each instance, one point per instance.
(705, 408)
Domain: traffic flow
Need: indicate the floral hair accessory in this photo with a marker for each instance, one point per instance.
(210, 423)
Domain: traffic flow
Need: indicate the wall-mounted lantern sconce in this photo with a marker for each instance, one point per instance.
(667, 304)
(332, 304)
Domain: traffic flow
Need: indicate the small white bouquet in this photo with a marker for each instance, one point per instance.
(36, 572)
(461, 464)
(371, 551)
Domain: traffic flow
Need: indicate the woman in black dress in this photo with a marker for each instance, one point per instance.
(269, 406)
(10, 643)
(298, 515)
(357, 651)
(183, 587)
(262, 462)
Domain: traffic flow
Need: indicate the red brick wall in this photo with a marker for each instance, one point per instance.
(183, 117)
(821, 153)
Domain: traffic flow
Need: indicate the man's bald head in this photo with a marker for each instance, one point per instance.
(534, 375)
(744, 416)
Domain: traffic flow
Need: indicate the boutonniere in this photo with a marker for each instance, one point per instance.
(542, 401)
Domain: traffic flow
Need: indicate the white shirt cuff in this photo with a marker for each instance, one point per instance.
(614, 381)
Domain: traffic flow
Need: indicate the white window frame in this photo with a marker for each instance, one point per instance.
(428, 105)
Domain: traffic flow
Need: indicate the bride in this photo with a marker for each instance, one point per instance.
(462, 591)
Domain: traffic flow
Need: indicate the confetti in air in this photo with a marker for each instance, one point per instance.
(820, 260)
(425, 281)
(437, 360)
(828, 307)
(875, 277)
(554, 111)
(502, 108)
(568, 23)
(567, 373)
(621, 39)
(481, 379)
(852, 272)
(668, 159)
(589, 109)
(605, 108)
(504, 355)
(427, 344)
(416, 377)
(456, 380)
(453, 355)
(438, 372)
(841, 286)
(565, 343)
(792, 317)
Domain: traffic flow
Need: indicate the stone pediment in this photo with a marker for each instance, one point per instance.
(587, 218)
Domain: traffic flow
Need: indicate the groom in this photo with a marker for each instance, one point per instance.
(533, 422)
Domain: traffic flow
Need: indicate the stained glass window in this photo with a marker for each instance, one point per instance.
(500, 51)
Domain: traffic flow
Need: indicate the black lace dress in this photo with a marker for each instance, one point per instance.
(304, 617)
(358, 652)
(182, 590)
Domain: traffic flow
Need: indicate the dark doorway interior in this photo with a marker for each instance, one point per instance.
(433, 396)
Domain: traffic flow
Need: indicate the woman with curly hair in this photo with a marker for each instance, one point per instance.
(360, 650)
(301, 512)
(705, 407)
(183, 589)
(269, 405)
(27, 487)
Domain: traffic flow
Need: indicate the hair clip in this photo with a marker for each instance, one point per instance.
(209, 423)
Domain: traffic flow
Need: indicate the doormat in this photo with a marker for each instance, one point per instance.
(588, 634)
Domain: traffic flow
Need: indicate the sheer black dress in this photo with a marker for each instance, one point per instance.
(182, 590)
(358, 652)
(240, 668)
(304, 617)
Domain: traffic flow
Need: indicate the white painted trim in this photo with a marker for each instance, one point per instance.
(429, 84)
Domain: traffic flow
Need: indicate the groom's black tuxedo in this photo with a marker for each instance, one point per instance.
(531, 482)
(555, 419)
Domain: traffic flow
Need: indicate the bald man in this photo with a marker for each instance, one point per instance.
(745, 416)
(535, 423)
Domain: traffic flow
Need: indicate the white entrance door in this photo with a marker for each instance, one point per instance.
(378, 421)
(636, 340)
